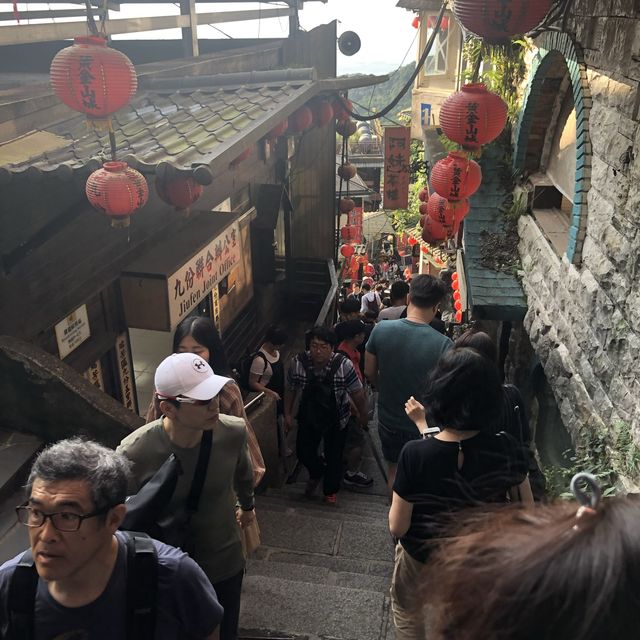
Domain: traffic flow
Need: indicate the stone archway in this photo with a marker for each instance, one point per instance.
(550, 46)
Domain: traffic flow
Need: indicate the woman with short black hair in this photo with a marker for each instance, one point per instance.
(465, 464)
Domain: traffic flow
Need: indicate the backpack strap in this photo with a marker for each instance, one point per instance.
(22, 598)
(338, 359)
(142, 586)
(259, 354)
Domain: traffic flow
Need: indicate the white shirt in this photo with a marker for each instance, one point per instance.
(369, 301)
(263, 369)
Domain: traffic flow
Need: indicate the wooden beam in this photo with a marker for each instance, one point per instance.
(22, 34)
(50, 14)
(190, 34)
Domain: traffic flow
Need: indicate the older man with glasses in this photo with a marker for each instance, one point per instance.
(204, 441)
(75, 580)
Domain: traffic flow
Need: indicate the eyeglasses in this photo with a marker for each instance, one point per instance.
(61, 520)
(185, 400)
(320, 346)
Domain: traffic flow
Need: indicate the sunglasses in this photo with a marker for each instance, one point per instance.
(185, 400)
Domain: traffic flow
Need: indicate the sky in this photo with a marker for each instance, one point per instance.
(388, 39)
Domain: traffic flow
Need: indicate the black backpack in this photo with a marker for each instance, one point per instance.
(244, 368)
(142, 586)
(318, 407)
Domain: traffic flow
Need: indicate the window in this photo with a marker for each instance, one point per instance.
(436, 63)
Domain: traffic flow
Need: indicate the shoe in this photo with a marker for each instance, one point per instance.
(331, 499)
(357, 479)
(310, 489)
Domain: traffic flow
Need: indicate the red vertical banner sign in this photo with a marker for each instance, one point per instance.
(397, 148)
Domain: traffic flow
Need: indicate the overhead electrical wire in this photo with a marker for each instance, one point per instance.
(409, 83)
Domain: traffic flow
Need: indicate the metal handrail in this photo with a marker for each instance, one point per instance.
(330, 297)
(254, 402)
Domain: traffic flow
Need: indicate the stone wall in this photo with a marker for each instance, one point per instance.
(584, 316)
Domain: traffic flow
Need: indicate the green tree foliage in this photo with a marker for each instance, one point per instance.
(373, 99)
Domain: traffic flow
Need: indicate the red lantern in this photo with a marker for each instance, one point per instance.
(349, 233)
(456, 295)
(454, 276)
(301, 120)
(117, 190)
(444, 24)
(92, 78)
(458, 316)
(347, 205)
(448, 214)
(415, 23)
(279, 130)
(423, 194)
(181, 192)
(347, 250)
(413, 241)
(322, 112)
(457, 305)
(347, 171)
(433, 232)
(346, 128)
(341, 108)
(473, 116)
(370, 269)
(499, 20)
(423, 209)
(456, 177)
(455, 285)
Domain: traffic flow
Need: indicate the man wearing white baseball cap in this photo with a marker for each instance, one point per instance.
(208, 442)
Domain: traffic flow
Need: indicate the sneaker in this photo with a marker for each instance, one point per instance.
(331, 499)
(310, 489)
(357, 479)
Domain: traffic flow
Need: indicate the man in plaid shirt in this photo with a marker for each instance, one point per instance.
(324, 381)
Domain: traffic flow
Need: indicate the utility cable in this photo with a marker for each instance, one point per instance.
(414, 75)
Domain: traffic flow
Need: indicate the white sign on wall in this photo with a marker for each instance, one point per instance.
(192, 281)
(72, 331)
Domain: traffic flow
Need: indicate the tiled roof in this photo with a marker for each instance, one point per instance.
(194, 126)
(493, 294)
(182, 129)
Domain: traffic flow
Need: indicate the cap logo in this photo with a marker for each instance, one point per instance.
(199, 364)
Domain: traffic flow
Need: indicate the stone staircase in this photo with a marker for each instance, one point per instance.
(321, 571)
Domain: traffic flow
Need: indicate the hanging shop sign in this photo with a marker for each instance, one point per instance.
(94, 375)
(397, 172)
(72, 331)
(193, 280)
(126, 373)
(162, 287)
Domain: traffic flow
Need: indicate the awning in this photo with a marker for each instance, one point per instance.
(494, 295)
(194, 125)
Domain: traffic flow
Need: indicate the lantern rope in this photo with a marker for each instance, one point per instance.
(91, 23)
(409, 83)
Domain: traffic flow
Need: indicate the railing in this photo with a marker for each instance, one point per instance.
(254, 402)
(326, 316)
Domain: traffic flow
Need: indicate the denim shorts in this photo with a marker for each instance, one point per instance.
(392, 441)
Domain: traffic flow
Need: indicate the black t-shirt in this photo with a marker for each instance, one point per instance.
(428, 477)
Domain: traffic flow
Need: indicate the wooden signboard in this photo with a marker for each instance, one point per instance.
(397, 172)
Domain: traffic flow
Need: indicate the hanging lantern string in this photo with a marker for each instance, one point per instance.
(103, 18)
(91, 23)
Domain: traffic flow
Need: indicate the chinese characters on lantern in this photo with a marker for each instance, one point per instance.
(397, 172)
(192, 282)
(86, 77)
(471, 118)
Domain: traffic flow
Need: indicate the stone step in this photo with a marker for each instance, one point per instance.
(290, 531)
(362, 497)
(313, 608)
(305, 507)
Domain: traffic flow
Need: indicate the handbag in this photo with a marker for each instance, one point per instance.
(145, 509)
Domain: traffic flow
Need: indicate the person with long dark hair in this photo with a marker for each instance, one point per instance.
(464, 465)
(560, 572)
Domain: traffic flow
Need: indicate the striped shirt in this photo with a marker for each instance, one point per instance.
(345, 382)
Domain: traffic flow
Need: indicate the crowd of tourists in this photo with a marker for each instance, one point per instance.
(477, 555)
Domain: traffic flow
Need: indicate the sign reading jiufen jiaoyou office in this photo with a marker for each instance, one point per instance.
(194, 280)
